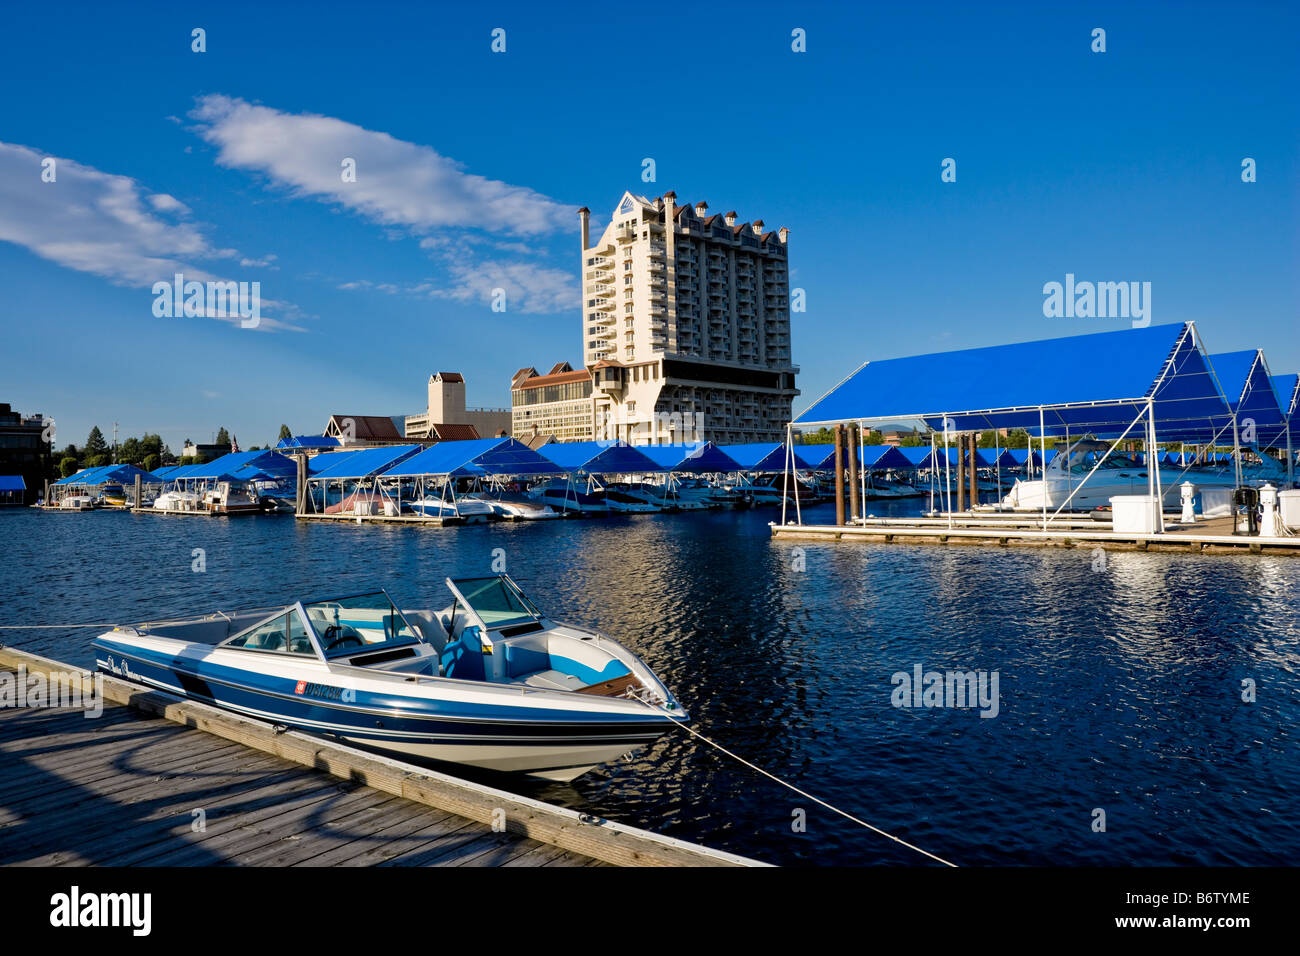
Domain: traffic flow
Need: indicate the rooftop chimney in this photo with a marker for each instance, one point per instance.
(701, 208)
(729, 218)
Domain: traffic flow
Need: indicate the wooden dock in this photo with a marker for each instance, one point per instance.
(158, 781)
(1210, 536)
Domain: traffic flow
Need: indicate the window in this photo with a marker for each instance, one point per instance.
(363, 622)
(282, 635)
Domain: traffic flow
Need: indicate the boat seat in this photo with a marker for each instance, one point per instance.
(549, 680)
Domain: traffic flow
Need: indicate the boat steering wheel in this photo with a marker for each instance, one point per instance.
(335, 638)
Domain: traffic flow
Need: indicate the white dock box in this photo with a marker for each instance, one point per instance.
(1134, 514)
(1288, 506)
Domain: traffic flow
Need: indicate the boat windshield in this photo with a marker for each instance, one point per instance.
(362, 622)
(496, 601)
(1083, 462)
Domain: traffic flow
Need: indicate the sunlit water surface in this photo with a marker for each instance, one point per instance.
(1120, 686)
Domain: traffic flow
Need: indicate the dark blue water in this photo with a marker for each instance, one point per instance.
(1120, 686)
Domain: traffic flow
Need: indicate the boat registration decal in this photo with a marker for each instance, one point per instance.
(323, 691)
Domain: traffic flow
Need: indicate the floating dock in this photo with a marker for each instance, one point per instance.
(1213, 535)
(158, 781)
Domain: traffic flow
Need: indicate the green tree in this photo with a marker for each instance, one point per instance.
(98, 461)
(68, 466)
(129, 452)
(284, 433)
(95, 444)
(152, 462)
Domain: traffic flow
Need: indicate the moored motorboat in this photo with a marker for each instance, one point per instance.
(488, 682)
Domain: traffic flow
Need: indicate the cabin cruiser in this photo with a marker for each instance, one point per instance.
(177, 500)
(489, 681)
(624, 499)
(565, 497)
(1120, 474)
(76, 503)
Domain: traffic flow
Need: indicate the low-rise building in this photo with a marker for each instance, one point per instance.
(557, 404)
(446, 407)
(24, 451)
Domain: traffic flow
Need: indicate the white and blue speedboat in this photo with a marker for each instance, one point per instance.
(487, 682)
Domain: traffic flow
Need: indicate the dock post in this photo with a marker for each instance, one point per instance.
(839, 475)
(961, 473)
(854, 438)
(300, 491)
(45, 498)
(139, 492)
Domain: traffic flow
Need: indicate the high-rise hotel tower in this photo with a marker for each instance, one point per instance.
(686, 325)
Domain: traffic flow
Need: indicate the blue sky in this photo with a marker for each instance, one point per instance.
(1115, 166)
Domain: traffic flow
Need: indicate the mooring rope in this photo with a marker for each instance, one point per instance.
(804, 793)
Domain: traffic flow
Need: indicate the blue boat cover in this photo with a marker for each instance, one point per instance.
(228, 467)
(1094, 383)
(318, 463)
(476, 457)
(598, 458)
(698, 457)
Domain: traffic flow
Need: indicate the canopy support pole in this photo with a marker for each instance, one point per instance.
(947, 473)
(789, 438)
(1140, 415)
(1042, 445)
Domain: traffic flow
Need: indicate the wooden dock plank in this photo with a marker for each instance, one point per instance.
(121, 790)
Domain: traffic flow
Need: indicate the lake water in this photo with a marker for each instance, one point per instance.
(1120, 677)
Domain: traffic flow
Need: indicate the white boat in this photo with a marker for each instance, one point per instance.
(566, 498)
(487, 682)
(625, 500)
(1119, 475)
(465, 507)
(76, 503)
(176, 501)
(514, 506)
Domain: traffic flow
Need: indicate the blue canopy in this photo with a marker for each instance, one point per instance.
(252, 464)
(598, 458)
(365, 462)
(1096, 383)
(13, 483)
(820, 456)
(476, 457)
(318, 463)
(699, 457)
(308, 441)
(1243, 377)
(764, 456)
(110, 475)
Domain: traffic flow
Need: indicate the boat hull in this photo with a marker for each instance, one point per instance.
(554, 741)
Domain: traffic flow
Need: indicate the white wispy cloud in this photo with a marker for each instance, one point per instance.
(484, 234)
(397, 182)
(103, 224)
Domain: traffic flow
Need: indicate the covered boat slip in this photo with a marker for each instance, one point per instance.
(1157, 385)
(106, 485)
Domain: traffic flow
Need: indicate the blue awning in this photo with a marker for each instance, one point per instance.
(698, 457)
(475, 458)
(319, 463)
(228, 467)
(367, 462)
(12, 483)
(764, 457)
(109, 475)
(1094, 383)
(598, 458)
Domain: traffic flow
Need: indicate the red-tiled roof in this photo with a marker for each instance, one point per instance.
(450, 432)
(451, 376)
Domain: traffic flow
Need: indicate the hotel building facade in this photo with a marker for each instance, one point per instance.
(555, 405)
(686, 325)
